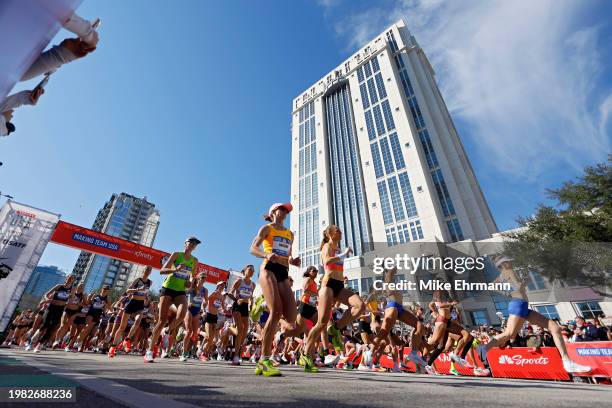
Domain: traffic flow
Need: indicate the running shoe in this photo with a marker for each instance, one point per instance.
(235, 361)
(363, 367)
(481, 372)
(266, 368)
(111, 352)
(454, 371)
(336, 337)
(164, 354)
(430, 370)
(396, 369)
(148, 357)
(203, 357)
(37, 349)
(127, 346)
(571, 367)
(459, 361)
(28, 347)
(183, 357)
(219, 357)
(67, 349)
(55, 345)
(308, 364)
(331, 360)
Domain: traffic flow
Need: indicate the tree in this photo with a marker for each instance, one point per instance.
(572, 240)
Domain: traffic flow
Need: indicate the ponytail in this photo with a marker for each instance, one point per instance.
(325, 236)
(267, 217)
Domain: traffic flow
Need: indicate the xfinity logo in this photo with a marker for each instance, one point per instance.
(141, 254)
(521, 361)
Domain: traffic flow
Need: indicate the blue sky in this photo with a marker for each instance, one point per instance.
(188, 103)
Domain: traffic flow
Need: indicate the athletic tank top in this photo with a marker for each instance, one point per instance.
(176, 280)
(245, 291)
(310, 295)
(196, 299)
(214, 302)
(336, 266)
(75, 299)
(278, 241)
(98, 302)
(142, 286)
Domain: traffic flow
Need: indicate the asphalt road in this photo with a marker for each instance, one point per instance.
(128, 381)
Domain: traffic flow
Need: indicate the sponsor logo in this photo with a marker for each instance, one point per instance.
(595, 352)
(5, 270)
(141, 254)
(16, 244)
(521, 361)
(26, 214)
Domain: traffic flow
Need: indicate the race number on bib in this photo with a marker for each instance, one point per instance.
(181, 275)
(98, 305)
(280, 246)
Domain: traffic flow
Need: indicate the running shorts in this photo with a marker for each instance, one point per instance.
(171, 293)
(519, 307)
(134, 306)
(306, 311)
(281, 272)
(243, 308)
(211, 318)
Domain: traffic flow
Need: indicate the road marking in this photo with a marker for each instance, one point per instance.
(117, 392)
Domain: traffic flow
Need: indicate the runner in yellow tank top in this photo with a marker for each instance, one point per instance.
(179, 268)
(276, 240)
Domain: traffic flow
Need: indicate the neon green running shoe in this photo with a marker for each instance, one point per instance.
(266, 368)
(309, 366)
(336, 337)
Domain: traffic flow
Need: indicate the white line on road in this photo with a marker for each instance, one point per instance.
(119, 393)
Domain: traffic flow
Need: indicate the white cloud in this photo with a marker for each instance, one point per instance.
(519, 73)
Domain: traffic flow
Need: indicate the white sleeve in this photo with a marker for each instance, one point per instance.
(16, 100)
(83, 29)
(3, 129)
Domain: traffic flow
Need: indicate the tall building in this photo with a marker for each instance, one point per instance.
(375, 151)
(43, 278)
(126, 217)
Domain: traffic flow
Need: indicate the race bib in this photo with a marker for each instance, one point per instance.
(181, 275)
(217, 303)
(313, 300)
(197, 301)
(280, 246)
(245, 293)
(142, 292)
(62, 295)
(98, 305)
(85, 309)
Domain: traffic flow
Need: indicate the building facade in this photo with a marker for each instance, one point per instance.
(126, 217)
(42, 280)
(375, 151)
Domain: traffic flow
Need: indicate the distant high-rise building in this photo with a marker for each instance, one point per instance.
(42, 279)
(126, 217)
(376, 152)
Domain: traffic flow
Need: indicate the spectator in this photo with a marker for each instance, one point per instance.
(533, 340)
(585, 331)
(602, 331)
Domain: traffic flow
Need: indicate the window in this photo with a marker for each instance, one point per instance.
(366, 284)
(378, 169)
(372, 91)
(501, 305)
(353, 284)
(375, 65)
(536, 281)
(408, 197)
(479, 317)
(589, 309)
(548, 311)
(364, 96)
(443, 195)
(398, 208)
(455, 230)
(380, 127)
(386, 154)
(367, 69)
(370, 125)
(388, 116)
(359, 76)
(397, 151)
(415, 229)
(382, 92)
(384, 202)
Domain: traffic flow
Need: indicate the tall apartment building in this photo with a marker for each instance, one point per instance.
(126, 217)
(375, 151)
(43, 278)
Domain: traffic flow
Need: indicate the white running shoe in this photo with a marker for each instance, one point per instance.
(459, 361)
(481, 372)
(573, 367)
(182, 358)
(363, 367)
(148, 357)
(164, 354)
(37, 349)
(67, 349)
(28, 347)
(430, 370)
(219, 357)
(331, 360)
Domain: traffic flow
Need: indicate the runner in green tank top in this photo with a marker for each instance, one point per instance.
(179, 268)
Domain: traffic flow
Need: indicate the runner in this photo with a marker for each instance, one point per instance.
(58, 297)
(215, 302)
(332, 290)
(97, 305)
(73, 306)
(518, 310)
(274, 278)
(198, 295)
(137, 293)
(242, 294)
(395, 311)
(179, 269)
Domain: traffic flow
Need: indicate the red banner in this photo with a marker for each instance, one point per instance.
(595, 354)
(524, 362)
(102, 244)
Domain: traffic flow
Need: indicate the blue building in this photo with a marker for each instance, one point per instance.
(44, 278)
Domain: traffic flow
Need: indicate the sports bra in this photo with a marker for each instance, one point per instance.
(310, 294)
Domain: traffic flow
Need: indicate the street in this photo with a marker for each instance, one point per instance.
(127, 381)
